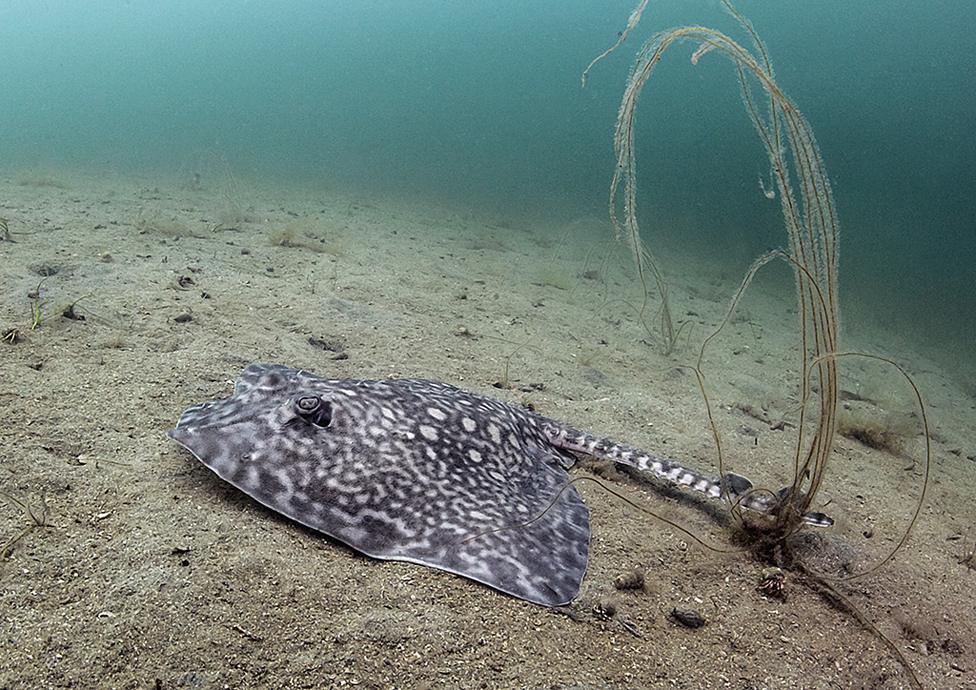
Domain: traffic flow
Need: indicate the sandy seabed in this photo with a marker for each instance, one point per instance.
(150, 572)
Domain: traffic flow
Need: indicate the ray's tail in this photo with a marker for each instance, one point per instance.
(729, 486)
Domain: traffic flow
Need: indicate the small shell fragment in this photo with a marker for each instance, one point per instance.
(773, 584)
(605, 609)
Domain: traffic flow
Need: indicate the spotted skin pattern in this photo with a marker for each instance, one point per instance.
(418, 471)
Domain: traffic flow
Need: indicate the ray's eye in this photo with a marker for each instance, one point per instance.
(314, 410)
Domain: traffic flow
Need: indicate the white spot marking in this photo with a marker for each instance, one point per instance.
(496, 435)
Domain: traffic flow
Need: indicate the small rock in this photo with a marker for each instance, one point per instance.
(951, 647)
(323, 344)
(687, 617)
(629, 580)
(185, 317)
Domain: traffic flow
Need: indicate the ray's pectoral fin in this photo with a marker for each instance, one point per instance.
(538, 554)
(490, 536)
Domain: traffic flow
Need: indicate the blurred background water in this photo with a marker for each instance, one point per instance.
(478, 104)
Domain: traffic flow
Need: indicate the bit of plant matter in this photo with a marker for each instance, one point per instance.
(298, 235)
(807, 205)
(969, 559)
(11, 336)
(888, 432)
(811, 225)
(70, 311)
(37, 517)
(37, 305)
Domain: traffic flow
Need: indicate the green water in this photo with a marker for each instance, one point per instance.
(478, 104)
